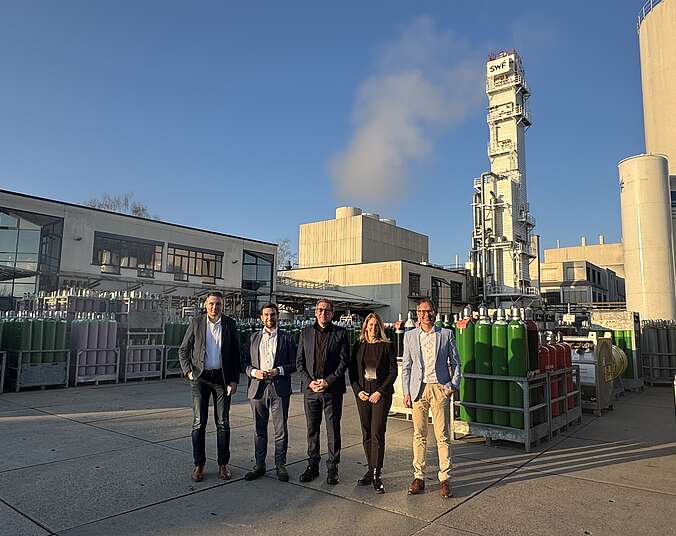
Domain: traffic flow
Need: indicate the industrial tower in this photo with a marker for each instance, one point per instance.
(501, 237)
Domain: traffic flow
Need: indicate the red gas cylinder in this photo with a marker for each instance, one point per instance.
(554, 383)
(569, 375)
(560, 356)
(543, 358)
(533, 341)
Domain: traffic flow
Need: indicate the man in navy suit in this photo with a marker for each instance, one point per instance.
(322, 359)
(430, 372)
(270, 360)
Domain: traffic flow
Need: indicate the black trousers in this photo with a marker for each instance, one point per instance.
(331, 404)
(277, 406)
(373, 418)
(208, 384)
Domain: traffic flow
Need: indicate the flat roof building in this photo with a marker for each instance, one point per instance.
(604, 255)
(374, 260)
(48, 245)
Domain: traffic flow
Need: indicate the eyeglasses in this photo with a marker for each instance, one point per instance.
(424, 311)
(320, 310)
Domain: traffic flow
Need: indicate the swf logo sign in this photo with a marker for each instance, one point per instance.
(500, 66)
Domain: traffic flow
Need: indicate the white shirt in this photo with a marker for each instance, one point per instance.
(267, 349)
(428, 347)
(212, 346)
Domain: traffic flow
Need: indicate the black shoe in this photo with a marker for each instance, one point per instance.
(310, 473)
(258, 470)
(366, 479)
(378, 481)
(282, 473)
(332, 476)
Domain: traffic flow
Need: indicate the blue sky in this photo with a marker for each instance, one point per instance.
(236, 116)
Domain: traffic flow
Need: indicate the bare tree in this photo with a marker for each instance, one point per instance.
(286, 258)
(123, 203)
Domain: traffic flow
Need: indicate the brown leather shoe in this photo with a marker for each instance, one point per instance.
(417, 487)
(224, 472)
(445, 489)
(198, 473)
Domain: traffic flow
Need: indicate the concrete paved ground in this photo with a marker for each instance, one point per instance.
(116, 460)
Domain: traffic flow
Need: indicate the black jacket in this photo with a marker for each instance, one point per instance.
(386, 370)
(335, 364)
(285, 357)
(191, 351)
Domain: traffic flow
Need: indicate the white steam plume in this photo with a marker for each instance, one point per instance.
(424, 82)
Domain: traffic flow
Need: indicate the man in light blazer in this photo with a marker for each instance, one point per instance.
(270, 359)
(430, 375)
(209, 358)
(322, 359)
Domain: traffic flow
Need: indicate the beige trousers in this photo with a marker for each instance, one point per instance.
(434, 399)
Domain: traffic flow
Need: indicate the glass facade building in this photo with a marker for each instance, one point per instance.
(30, 254)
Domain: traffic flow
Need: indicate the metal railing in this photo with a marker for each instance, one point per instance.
(298, 283)
(503, 290)
(524, 248)
(528, 218)
(647, 8)
(500, 147)
(507, 112)
(505, 81)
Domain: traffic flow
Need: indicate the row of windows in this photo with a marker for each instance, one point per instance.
(443, 293)
(593, 276)
(573, 295)
(113, 252)
(184, 262)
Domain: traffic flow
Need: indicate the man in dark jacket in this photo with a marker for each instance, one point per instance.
(269, 360)
(322, 359)
(210, 359)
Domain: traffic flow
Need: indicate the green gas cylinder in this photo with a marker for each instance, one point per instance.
(465, 342)
(36, 339)
(48, 339)
(24, 327)
(517, 363)
(60, 341)
(500, 389)
(630, 350)
(483, 365)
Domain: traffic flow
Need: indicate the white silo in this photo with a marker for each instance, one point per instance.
(646, 234)
(656, 31)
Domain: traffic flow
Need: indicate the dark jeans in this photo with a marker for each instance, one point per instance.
(278, 406)
(331, 404)
(207, 384)
(373, 418)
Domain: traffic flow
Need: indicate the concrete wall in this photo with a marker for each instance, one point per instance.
(353, 239)
(330, 242)
(383, 242)
(603, 255)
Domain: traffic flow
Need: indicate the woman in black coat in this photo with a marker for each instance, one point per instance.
(373, 370)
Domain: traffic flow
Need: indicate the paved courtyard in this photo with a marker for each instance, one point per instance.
(116, 460)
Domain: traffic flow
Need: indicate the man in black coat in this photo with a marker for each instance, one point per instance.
(269, 360)
(322, 359)
(210, 359)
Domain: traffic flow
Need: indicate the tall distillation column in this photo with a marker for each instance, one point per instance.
(501, 238)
